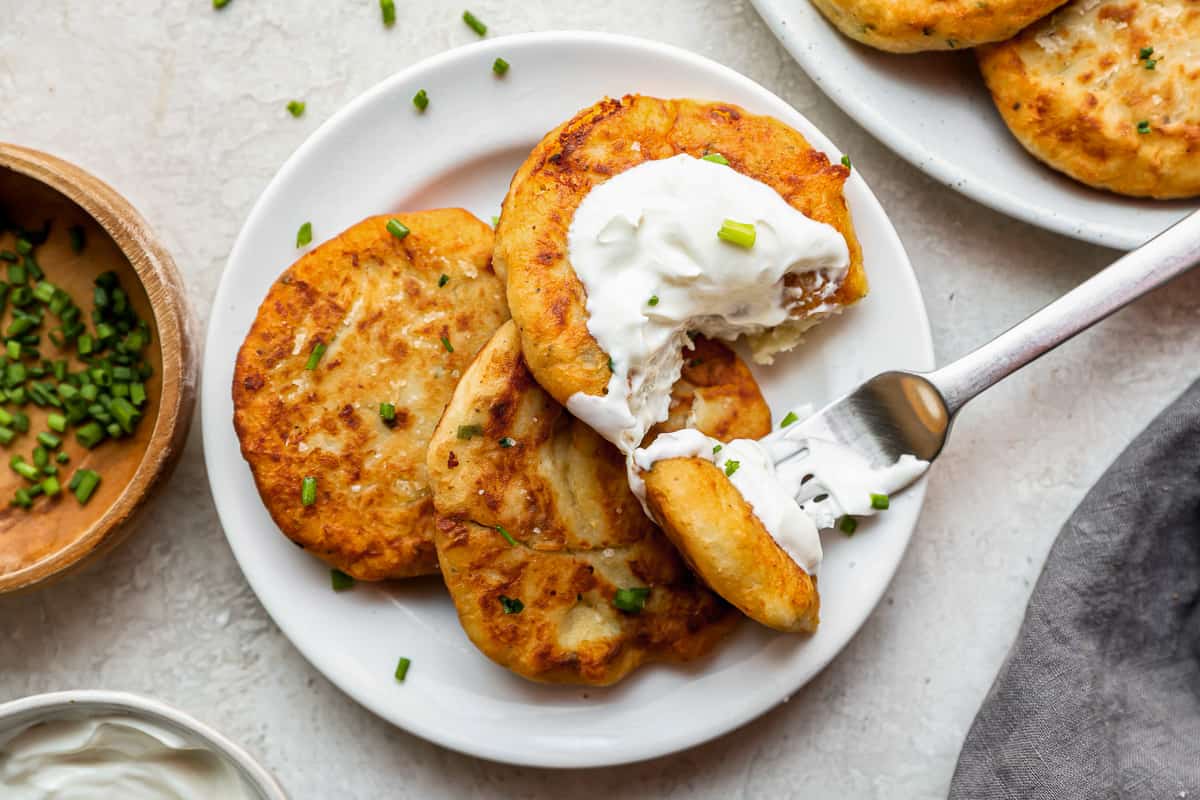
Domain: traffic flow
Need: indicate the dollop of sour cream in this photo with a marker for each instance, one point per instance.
(112, 756)
(644, 245)
(795, 481)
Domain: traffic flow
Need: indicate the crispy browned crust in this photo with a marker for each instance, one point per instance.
(561, 493)
(375, 301)
(1073, 89)
(548, 300)
(910, 26)
(717, 533)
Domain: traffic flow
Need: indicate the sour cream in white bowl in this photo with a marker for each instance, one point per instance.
(98, 744)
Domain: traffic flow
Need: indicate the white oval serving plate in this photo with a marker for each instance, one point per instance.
(379, 155)
(934, 111)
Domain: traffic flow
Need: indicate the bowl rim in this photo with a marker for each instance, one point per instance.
(164, 287)
(51, 704)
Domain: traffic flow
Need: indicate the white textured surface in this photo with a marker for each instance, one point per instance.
(182, 109)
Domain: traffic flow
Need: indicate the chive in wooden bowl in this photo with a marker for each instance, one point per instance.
(50, 520)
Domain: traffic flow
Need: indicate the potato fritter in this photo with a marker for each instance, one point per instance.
(718, 534)
(910, 26)
(399, 320)
(1107, 91)
(547, 299)
(540, 539)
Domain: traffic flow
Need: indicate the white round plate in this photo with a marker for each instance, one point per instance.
(934, 111)
(379, 155)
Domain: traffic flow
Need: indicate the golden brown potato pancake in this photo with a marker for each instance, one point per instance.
(538, 532)
(547, 299)
(1107, 91)
(400, 320)
(910, 26)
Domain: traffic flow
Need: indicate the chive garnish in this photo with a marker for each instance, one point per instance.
(388, 9)
(78, 238)
(1143, 126)
(880, 501)
(511, 605)
(219, 4)
(51, 487)
(717, 448)
(443, 280)
(50, 440)
(789, 419)
(397, 228)
(474, 23)
(402, 669)
(296, 108)
(847, 525)
(731, 467)
(469, 431)
(1145, 52)
(421, 100)
(741, 234)
(340, 580)
(507, 536)
(846, 162)
(304, 235)
(632, 600)
(653, 301)
(446, 344)
(507, 442)
(314, 357)
(495, 221)
(611, 366)
(308, 491)
(387, 413)
(716, 158)
(500, 66)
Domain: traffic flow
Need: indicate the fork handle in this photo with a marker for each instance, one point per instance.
(1168, 255)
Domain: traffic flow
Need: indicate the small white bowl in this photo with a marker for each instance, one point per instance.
(82, 704)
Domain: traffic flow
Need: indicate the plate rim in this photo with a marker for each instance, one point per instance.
(927, 159)
(214, 429)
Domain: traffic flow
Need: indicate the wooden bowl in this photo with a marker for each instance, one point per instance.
(60, 533)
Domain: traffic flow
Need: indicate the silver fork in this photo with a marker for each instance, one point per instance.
(898, 413)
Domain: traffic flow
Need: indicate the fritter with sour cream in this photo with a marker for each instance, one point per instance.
(555, 570)
(352, 358)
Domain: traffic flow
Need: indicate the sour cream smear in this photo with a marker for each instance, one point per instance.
(796, 480)
(644, 245)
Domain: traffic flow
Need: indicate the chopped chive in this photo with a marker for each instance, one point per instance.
(402, 669)
(421, 100)
(303, 236)
(717, 448)
(88, 481)
(296, 108)
(511, 605)
(9, 256)
(7, 435)
(78, 238)
(495, 221)
(56, 422)
(137, 393)
(1143, 126)
(880, 501)
(44, 291)
(474, 23)
(1151, 63)
(51, 487)
(314, 357)
(740, 233)
(507, 442)
(611, 366)
(20, 421)
(22, 498)
(388, 9)
(847, 525)
(1145, 52)
(127, 416)
(500, 66)
(446, 344)
(731, 467)
(23, 468)
(846, 162)
(340, 580)
(789, 419)
(387, 413)
(397, 228)
(308, 491)
(219, 4)
(632, 600)
(62, 457)
(469, 431)
(716, 158)
(12, 349)
(442, 281)
(653, 301)
(24, 246)
(89, 435)
(507, 536)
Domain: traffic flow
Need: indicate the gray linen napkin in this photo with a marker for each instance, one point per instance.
(1100, 696)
